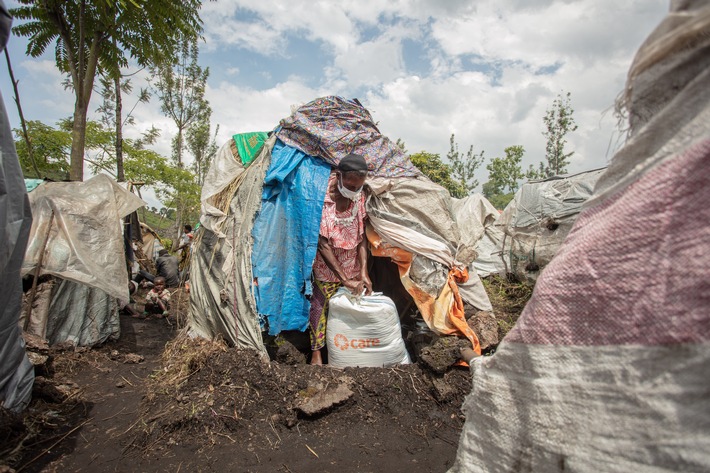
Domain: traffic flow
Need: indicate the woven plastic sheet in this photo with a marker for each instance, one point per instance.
(608, 367)
(332, 127)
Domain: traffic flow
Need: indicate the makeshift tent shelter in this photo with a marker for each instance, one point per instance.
(16, 372)
(536, 222)
(77, 237)
(251, 266)
(487, 238)
(608, 366)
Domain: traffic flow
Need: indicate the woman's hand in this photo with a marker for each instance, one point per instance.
(355, 286)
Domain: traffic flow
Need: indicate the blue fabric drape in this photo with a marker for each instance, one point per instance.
(286, 236)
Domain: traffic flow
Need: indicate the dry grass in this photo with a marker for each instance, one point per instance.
(182, 357)
(509, 298)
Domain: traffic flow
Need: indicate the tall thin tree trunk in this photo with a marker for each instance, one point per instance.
(78, 135)
(26, 136)
(120, 176)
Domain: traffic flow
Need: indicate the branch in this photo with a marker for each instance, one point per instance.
(26, 135)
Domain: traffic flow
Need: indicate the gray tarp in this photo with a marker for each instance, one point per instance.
(16, 372)
(442, 232)
(538, 219)
(221, 300)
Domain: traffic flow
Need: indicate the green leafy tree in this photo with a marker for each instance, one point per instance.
(51, 150)
(111, 113)
(559, 121)
(503, 176)
(180, 86)
(92, 36)
(435, 169)
(534, 173)
(203, 147)
(504, 173)
(463, 168)
(400, 144)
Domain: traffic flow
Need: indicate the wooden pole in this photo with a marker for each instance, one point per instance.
(33, 291)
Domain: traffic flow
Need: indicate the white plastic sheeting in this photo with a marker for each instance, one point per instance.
(85, 236)
(364, 331)
(608, 367)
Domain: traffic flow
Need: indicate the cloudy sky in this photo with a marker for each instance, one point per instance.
(484, 70)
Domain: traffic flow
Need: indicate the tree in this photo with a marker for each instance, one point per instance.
(180, 85)
(93, 36)
(558, 122)
(203, 147)
(504, 174)
(436, 170)
(464, 168)
(111, 113)
(51, 148)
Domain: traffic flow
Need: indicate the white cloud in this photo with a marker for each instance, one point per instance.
(494, 67)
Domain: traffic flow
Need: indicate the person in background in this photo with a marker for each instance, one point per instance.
(184, 248)
(157, 300)
(166, 266)
(341, 259)
(125, 306)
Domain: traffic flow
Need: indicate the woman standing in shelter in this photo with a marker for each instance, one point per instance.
(341, 259)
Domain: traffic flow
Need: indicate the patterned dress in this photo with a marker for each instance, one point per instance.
(344, 231)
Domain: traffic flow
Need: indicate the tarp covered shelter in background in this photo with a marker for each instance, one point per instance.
(78, 236)
(608, 366)
(536, 222)
(251, 264)
(480, 215)
(16, 371)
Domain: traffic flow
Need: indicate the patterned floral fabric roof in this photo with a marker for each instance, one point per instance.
(331, 127)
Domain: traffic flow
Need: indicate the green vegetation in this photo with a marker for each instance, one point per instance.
(508, 298)
(97, 37)
(463, 168)
(431, 166)
(559, 121)
(503, 176)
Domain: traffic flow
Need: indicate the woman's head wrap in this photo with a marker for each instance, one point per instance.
(352, 162)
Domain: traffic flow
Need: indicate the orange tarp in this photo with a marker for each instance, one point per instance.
(444, 313)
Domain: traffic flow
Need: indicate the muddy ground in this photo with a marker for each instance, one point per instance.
(157, 401)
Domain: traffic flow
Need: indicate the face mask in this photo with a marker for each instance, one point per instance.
(347, 193)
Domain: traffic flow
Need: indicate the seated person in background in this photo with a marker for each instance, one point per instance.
(167, 268)
(125, 306)
(157, 300)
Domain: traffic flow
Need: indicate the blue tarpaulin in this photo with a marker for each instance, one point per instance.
(286, 236)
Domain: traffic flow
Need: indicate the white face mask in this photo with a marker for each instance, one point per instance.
(347, 193)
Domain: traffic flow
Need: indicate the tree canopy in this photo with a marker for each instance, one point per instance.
(92, 36)
(435, 169)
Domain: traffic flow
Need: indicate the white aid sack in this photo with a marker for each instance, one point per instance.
(364, 331)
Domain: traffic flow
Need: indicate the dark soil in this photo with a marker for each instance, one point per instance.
(158, 401)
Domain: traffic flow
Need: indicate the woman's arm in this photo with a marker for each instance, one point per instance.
(362, 255)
